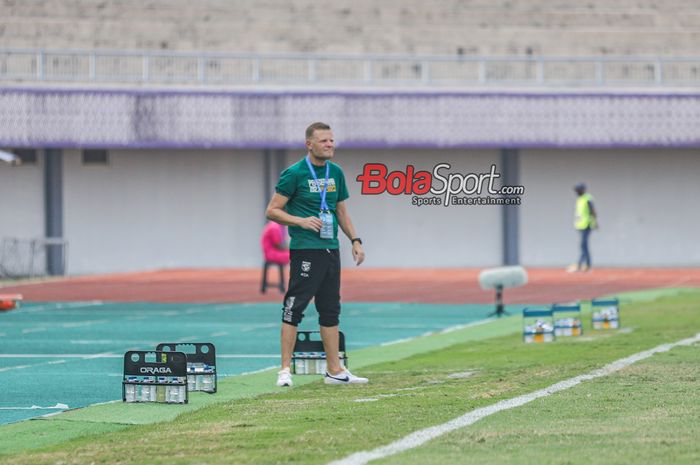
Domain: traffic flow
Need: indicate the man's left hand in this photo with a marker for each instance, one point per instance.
(357, 253)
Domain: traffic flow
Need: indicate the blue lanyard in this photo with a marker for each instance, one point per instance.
(324, 205)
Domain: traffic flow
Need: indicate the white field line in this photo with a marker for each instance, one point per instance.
(109, 341)
(61, 306)
(248, 328)
(100, 355)
(274, 367)
(18, 367)
(53, 414)
(61, 358)
(468, 325)
(36, 329)
(377, 397)
(113, 355)
(79, 324)
(193, 310)
(461, 375)
(397, 341)
(22, 367)
(449, 329)
(36, 407)
(420, 437)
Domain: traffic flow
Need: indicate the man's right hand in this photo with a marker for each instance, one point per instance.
(312, 223)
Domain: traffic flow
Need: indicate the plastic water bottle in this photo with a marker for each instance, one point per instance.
(130, 390)
(208, 379)
(145, 393)
(207, 383)
(299, 364)
(160, 389)
(173, 394)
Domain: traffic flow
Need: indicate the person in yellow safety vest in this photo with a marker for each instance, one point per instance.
(585, 221)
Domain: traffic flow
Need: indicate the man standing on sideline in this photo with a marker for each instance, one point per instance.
(585, 221)
(310, 199)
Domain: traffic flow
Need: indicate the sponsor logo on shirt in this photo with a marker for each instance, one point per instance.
(317, 186)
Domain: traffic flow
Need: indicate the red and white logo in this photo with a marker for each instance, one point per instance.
(445, 187)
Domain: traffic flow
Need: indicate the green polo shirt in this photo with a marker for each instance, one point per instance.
(298, 185)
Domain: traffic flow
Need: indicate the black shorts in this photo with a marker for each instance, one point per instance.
(313, 273)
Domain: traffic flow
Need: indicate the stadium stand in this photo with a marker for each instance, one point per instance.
(457, 27)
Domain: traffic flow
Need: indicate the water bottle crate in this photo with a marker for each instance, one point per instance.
(538, 325)
(539, 337)
(567, 319)
(155, 376)
(310, 363)
(201, 364)
(309, 356)
(606, 313)
(566, 328)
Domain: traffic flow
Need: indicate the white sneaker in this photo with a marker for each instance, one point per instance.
(284, 378)
(344, 377)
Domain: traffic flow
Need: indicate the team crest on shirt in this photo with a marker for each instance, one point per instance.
(317, 185)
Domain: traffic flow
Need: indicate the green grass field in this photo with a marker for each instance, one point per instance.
(646, 413)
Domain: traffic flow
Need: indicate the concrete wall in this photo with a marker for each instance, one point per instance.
(156, 208)
(22, 200)
(153, 209)
(646, 201)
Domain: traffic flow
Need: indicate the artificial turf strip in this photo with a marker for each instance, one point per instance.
(16, 437)
(317, 423)
(652, 294)
(34, 434)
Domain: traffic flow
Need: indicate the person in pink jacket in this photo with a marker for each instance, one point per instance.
(274, 243)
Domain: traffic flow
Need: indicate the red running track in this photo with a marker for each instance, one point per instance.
(452, 286)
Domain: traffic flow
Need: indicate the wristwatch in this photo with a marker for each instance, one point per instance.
(356, 239)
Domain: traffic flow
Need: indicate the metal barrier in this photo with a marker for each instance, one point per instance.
(28, 257)
(159, 68)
